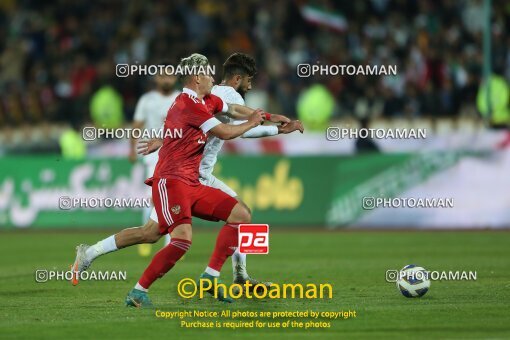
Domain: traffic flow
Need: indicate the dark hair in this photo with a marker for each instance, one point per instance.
(239, 63)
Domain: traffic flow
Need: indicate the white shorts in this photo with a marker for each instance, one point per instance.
(212, 181)
(149, 168)
(154, 215)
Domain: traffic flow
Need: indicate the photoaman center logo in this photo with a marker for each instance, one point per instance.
(253, 238)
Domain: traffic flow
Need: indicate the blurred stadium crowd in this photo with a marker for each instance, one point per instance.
(56, 56)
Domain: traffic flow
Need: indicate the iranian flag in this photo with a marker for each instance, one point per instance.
(318, 16)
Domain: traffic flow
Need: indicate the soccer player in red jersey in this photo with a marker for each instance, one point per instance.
(151, 231)
(176, 191)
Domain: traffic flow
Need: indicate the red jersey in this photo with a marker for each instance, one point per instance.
(179, 157)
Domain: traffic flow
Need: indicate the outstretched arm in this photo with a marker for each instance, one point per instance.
(272, 130)
(241, 112)
(228, 131)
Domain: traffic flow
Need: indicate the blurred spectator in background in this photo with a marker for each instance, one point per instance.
(106, 108)
(315, 107)
(72, 145)
(365, 144)
(54, 53)
(498, 113)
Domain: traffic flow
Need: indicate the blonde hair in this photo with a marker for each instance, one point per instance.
(195, 62)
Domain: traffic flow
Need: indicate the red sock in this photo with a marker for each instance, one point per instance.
(226, 245)
(163, 261)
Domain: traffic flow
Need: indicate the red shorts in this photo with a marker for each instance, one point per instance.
(175, 202)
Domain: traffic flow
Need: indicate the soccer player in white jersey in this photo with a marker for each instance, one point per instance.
(150, 114)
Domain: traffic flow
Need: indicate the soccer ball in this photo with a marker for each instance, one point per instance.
(413, 281)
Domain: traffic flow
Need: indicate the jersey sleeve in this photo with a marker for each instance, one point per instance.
(219, 104)
(258, 131)
(200, 118)
(140, 115)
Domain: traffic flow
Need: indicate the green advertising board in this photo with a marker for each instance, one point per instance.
(281, 191)
(31, 189)
(380, 175)
(291, 191)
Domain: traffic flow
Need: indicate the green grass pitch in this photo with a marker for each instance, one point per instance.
(353, 262)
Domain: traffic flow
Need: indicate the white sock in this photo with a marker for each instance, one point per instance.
(102, 247)
(167, 240)
(239, 264)
(212, 272)
(139, 287)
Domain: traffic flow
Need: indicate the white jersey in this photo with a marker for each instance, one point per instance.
(151, 109)
(213, 146)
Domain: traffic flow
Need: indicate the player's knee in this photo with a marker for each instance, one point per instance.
(240, 214)
(247, 208)
(246, 215)
(182, 231)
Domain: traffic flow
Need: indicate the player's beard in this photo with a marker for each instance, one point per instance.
(241, 92)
